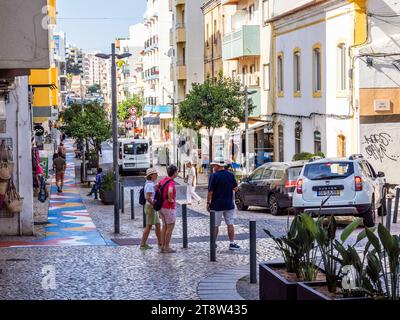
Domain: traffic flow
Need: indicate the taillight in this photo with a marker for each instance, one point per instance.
(358, 183)
(290, 184)
(299, 186)
(120, 154)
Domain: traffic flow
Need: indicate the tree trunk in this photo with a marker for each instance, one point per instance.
(210, 153)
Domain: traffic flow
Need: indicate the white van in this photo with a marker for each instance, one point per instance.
(134, 155)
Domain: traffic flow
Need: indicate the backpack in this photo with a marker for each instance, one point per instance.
(159, 196)
(142, 198)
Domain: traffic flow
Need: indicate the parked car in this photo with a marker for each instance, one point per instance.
(350, 186)
(270, 185)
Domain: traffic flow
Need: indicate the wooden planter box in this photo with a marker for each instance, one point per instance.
(273, 286)
(107, 197)
(307, 291)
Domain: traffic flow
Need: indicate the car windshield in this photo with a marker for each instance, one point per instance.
(136, 148)
(328, 170)
(294, 173)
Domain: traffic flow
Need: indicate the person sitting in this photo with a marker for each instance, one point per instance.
(97, 184)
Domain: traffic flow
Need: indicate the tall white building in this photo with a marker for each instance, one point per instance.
(158, 87)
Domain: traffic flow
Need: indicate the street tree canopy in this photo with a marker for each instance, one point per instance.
(124, 108)
(89, 123)
(216, 103)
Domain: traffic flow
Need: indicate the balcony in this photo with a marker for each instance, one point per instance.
(180, 32)
(242, 43)
(181, 71)
(256, 98)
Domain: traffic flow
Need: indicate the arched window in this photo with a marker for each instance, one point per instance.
(317, 141)
(280, 143)
(297, 138)
(341, 145)
(296, 72)
(279, 76)
(317, 71)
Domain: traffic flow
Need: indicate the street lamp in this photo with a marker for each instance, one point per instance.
(246, 120)
(113, 57)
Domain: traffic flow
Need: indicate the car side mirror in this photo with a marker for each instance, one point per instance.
(381, 174)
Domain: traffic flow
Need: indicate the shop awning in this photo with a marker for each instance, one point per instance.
(158, 109)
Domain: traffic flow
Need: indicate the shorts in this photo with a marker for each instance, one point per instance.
(59, 176)
(168, 215)
(152, 217)
(229, 216)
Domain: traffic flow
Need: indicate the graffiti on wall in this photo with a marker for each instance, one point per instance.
(380, 145)
(377, 146)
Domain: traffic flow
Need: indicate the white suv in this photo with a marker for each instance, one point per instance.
(341, 186)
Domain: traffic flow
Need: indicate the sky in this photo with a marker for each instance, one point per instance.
(98, 34)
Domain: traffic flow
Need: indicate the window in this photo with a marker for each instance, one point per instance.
(280, 74)
(234, 74)
(328, 170)
(317, 71)
(267, 174)
(296, 72)
(297, 138)
(136, 148)
(207, 35)
(341, 145)
(266, 10)
(341, 68)
(266, 77)
(252, 78)
(215, 32)
(252, 10)
(257, 174)
(244, 73)
(317, 142)
(280, 143)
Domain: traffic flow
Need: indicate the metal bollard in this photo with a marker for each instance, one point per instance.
(212, 237)
(388, 213)
(132, 204)
(184, 226)
(253, 252)
(144, 219)
(122, 193)
(396, 205)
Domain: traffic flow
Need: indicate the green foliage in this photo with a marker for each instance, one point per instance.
(87, 123)
(107, 182)
(307, 156)
(124, 108)
(216, 103)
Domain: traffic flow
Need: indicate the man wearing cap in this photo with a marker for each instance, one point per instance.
(152, 217)
(220, 199)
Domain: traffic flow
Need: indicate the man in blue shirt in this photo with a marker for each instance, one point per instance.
(221, 187)
(97, 185)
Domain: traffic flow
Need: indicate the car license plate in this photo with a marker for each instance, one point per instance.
(326, 193)
(130, 165)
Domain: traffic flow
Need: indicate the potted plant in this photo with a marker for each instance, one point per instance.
(107, 193)
(298, 248)
(330, 249)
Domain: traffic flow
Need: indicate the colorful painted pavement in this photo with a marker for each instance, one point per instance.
(70, 223)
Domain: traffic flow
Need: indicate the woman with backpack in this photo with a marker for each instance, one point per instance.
(152, 217)
(168, 208)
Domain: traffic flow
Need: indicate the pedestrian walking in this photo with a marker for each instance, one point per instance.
(59, 165)
(168, 208)
(62, 150)
(221, 187)
(191, 184)
(152, 216)
(97, 185)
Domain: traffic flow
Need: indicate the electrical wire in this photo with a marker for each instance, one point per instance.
(384, 15)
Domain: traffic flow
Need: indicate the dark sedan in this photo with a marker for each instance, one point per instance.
(270, 186)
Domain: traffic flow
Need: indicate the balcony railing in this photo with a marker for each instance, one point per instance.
(242, 43)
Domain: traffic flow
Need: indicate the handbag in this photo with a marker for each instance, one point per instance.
(6, 166)
(3, 187)
(13, 201)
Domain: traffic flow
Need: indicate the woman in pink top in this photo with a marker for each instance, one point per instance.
(168, 208)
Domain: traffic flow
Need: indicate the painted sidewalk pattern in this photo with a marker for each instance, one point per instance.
(69, 222)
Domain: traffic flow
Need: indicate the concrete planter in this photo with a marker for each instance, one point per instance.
(307, 291)
(273, 286)
(107, 197)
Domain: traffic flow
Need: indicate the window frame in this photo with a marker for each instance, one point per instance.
(317, 92)
(297, 72)
(280, 71)
(341, 69)
(297, 137)
(317, 142)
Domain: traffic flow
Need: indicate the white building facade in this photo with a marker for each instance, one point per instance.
(313, 112)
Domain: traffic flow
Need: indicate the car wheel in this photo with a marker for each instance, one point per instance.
(273, 205)
(369, 215)
(240, 203)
